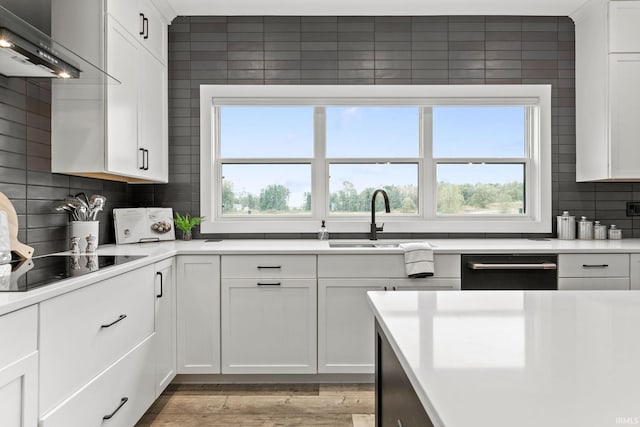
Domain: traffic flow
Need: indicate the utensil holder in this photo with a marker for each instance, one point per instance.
(87, 233)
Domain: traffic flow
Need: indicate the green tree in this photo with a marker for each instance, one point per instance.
(483, 195)
(408, 205)
(449, 198)
(274, 198)
(228, 197)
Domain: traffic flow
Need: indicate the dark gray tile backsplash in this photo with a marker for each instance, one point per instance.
(308, 50)
(25, 169)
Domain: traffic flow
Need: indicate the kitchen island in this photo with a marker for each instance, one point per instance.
(507, 358)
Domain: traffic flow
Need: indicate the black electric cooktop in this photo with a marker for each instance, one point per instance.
(25, 275)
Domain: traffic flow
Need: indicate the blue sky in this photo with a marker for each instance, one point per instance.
(370, 132)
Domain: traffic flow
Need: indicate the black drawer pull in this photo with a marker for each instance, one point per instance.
(122, 317)
(122, 402)
(595, 265)
(142, 21)
(269, 284)
(269, 267)
(159, 273)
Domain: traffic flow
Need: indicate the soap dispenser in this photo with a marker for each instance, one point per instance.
(323, 233)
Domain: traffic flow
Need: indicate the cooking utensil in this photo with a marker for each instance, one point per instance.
(22, 250)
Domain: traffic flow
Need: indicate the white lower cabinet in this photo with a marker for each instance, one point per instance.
(345, 325)
(85, 331)
(119, 396)
(198, 297)
(165, 321)
(345, 320)
(19, 368)
(268, 326)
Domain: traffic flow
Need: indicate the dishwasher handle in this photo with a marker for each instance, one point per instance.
(506, 266)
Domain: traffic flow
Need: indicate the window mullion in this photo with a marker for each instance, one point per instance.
(428, 191)
(320, 175)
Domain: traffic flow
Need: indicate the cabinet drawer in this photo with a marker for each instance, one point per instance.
(593, 284)
(76, 342)
(20, 329)
(593, 265)
(429, 284)
(381, 266)
(268, 266)
(130, 378)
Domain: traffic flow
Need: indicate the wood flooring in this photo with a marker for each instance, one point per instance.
(263, 405)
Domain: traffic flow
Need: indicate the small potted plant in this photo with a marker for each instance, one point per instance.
(186, 223)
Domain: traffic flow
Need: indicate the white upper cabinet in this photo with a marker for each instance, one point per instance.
(109, 130)
(624, 28)
(607, 91)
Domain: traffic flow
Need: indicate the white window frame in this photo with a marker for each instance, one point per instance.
(537, 218)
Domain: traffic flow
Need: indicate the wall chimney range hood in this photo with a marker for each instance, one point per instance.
(27, 52)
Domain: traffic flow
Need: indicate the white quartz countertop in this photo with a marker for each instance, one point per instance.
(516, 358)
(153, 252)
(309, 246)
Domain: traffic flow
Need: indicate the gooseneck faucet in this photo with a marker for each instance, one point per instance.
(374, 227)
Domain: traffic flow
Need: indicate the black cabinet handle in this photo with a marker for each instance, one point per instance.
(159, 273)
(143, 19)
(119, 319)
(269, 284)
(385, 288)
(265, 267)
(142, 167)
(145, 25)
(595, 265)
(145, 157)
(122, 402)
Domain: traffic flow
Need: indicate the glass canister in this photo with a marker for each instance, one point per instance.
(566, 226)
(599, 231)
(615, 233)
(585, 229)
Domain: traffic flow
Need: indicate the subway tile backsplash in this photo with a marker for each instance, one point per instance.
(307, 50)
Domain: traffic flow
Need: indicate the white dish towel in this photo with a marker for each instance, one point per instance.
(418, 259)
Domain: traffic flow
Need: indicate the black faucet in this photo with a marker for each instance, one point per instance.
(374, 227)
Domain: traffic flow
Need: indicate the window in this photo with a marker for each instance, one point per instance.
(451, 158)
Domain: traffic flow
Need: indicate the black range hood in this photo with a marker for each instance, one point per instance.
(26, 51)
(20, 57)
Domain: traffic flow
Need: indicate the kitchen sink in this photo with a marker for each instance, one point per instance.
(362, 245)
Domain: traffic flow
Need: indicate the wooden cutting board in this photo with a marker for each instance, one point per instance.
(22, 250)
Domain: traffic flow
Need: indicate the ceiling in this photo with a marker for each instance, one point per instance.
(375, 7)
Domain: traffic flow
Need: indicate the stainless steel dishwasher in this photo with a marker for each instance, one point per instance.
(509, 272)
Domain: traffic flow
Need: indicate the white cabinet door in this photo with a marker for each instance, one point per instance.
(19, 393)
(122, 106)
(269, 326)
(624, 104)
(165, 317)
(624, 31)
(345, 325)
(198, 314)
(154, 32)
(152, 113)
(634, 273)
(19, 368)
